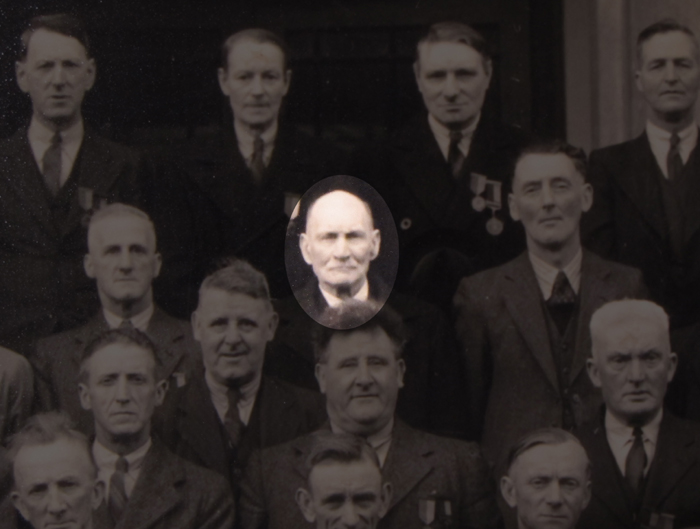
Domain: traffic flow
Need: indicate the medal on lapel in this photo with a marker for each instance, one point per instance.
(494, 226)
(85, 198)
(433, 508)
(477, 184)
(426, 511)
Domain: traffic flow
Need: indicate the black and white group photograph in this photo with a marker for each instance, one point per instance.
(349, 264)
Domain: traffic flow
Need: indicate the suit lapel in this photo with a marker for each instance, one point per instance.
(523, 298)
(162, 332)
(691, 195)
(92, 328)
(272, 407)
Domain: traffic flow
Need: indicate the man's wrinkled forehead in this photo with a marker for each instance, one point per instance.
(634, 336)
(338, 206)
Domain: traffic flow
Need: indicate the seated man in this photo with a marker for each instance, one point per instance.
(230, 407)
(16, 392)
(361, 371)
(122, 259)
(147, 485)
(646, 462)
(344, 488)
(548, 480)
(55, 479)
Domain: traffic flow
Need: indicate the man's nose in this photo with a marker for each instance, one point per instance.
(547, 196)
(232, 334)
(58, 75)
(341, 249)
(350, 519)
(554, 494)
(670, 73)
(55, 502)
(451, 88)
(636, 371)
(256, 85)
(122, 390)
(125, 260)
(364, 377)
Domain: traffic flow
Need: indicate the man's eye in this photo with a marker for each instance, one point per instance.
(436, 76)
(219, 323)
(246, 325)
(271, 76)
(348, 364)
(377, 361)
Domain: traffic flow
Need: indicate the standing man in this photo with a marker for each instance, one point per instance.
(647, 189)
(436, 481)
(242, 183)
(147, 485)
(646, 462)
(524, 325)
(444, 175)
(230, 408)
(123, 261)
(53, 173)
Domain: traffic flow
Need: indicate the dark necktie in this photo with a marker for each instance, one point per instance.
(117, 490)
(454, 156)
(257, 162)
(51, 163)
(562, 292)
(126, 325)
(232, 422)
(636, 462)
(674, 162)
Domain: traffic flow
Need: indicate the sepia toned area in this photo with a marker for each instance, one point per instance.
(493, 323)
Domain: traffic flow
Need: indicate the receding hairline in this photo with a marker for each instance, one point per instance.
(486, 62)
(526, 155)
(127, 212)
(683, 30)
(547, 445)
(255, 36)
(365, 204)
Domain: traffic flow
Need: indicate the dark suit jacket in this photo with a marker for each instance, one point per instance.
(172, 493)
(43, 286)
(433, 212)
(214, 209)
(512, 375)
(672, 483)
(189, 425)
(627, 223)
(419, 465)
(57, 362)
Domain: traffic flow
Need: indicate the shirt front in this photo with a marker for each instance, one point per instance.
(621, 437)
(219, 397)
(335, 301)
(442, 136)
(246, 142)
(546, 273)
(106, 462)
(140, 321)
(660, 142)
(40, 137)
(380, 441)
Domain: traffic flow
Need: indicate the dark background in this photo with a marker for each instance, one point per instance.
(351, 60)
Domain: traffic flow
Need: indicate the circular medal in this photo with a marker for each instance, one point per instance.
(494, 226)
(478, 203)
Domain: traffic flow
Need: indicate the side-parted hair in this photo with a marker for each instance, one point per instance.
(116, 210)
(237, 276)
(258, 35)
(128, 337)
(340, 448)
(47, 428)
(667, 25)
(624, 312)
(346, 322)
(459, 33)
(62, 23)
(544, 436)
(555, 146)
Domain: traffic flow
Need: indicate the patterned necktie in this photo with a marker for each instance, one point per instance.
(51, 163)
(636, 461)
(257, 162)
(117, 490)
(232, 422)
(674, 162)
(454, 156)
(562, 292)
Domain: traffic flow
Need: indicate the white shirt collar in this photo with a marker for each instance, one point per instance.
(245, 141)
(40, 137)
(219, 397)
(620, 438)
(660, 142)
(442, 135)
(335, 301)
(380, 441)
(546, 273)
(106, 462)
(140, 321)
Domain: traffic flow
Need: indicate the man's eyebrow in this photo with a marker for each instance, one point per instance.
(334, 498)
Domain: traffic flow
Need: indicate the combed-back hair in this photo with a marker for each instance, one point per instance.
(667, 25)
(451, 31)
(259, 35)
(47, 428)
(128, 337)
(544, 436)
(116, 210)
(237, 276)
(556, 146)
(62, 23)
(341, 448)
(346, 322)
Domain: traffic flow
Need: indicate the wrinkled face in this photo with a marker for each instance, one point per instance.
(549, 486)
(56, 74)
(255, 82)
(548, 197)
(453, 79)
(633, 364)
(361, 378)
(340, 242)
(122, 258)
(346, 495)
(233, 330)
(669, 76)
(121, 391)
(55, 485)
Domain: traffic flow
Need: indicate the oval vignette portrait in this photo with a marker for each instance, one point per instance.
(341, 252)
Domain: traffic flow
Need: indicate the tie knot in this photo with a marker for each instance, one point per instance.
(675, 140)
(122, 465)
(234, 396)
(562, 291)
(455, 136)
(56, 139)
(126, 324)
(258, 143)
(637, 433)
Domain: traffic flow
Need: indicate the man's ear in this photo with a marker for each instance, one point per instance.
(21, 74)
(513, 207)
(508, 491)
(321, 377)
(586, 197)
(91, 73)
(488, 70)
(19, 504)
(638, 81)
(157, 264)
(272, 325)
(222, 76)
(673, 359)
(98, 494)
(402, 370)
(84, 395)
(287, 81)
(587, 499)
(387, 492)
(376, 239)
(161, 390)
(195, 326)
(416, 73)
(304, 247)
(593, 372)
(89, 266)
(303, 499)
